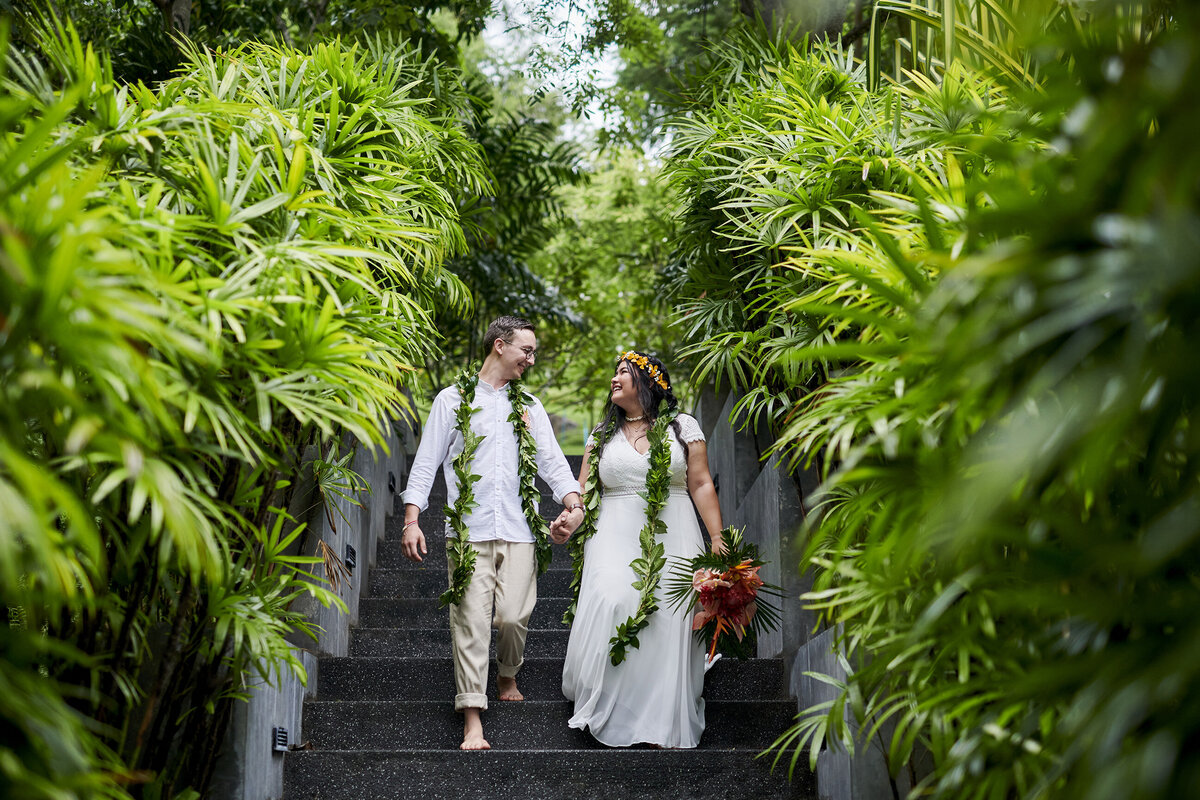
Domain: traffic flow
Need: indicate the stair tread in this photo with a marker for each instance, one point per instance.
(432, 678)
(631, 773)
(431, 582)
(529, 725)
(319, 702)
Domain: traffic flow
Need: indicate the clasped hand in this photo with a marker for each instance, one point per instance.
(565, 524)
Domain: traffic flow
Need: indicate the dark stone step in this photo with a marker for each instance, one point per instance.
(629, 774)
(380, 612)
(548, 505)
(389, 556)
(400, 725)
(431, 582)
(540, 679)
(431, 518)
(435, 642)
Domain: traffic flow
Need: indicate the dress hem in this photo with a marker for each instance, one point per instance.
(586, 727)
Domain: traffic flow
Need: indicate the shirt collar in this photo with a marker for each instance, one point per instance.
(489, 389)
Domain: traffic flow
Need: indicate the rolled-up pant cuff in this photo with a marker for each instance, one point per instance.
(505, 671)
(470, 700)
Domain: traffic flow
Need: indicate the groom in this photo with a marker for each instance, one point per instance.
(505, 574)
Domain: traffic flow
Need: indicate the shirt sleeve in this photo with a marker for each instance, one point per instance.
(552, 464)
(431, 452)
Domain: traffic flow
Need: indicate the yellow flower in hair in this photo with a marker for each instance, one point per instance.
(643, 362)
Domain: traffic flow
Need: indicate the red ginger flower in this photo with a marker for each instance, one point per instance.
(728, 598)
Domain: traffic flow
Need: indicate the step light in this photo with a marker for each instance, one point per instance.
(279, 740)
(351, 557)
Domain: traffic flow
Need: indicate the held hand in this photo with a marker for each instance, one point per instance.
(412, 543)
(566, 523)
(558, 529)
(718, 545)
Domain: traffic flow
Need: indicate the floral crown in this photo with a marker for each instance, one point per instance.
(643, 363)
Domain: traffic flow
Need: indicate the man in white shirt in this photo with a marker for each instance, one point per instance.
(505, 563)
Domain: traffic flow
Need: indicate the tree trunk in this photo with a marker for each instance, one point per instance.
(177, 15)
(152, 727)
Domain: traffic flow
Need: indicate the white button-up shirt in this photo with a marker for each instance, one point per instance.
(497, 513)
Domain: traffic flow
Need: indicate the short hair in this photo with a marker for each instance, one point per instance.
(503, 328)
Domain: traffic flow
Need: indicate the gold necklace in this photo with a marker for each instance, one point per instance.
(641, 432)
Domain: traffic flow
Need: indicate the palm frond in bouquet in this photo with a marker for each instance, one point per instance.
(733, 601)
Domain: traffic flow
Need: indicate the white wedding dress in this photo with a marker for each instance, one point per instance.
(654, 695)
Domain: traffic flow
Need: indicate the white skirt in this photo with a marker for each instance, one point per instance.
(653, 696)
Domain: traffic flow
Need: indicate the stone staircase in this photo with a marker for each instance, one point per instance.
(383, 724)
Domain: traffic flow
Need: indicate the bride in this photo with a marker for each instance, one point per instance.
(634, 668)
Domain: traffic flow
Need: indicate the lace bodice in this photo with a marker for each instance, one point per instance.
(623, 468)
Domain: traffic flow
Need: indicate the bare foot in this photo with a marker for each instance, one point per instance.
(508, 690)
(473, 731)
(476, 742)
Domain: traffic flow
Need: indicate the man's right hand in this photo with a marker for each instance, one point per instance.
(412, 543)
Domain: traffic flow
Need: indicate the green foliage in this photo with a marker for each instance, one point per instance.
(605, 258)
(663, 48)
(527, 470)
(788, 152)
(990, 35)
(507, 224)
(458, 544)
(196, 284)
(969, 300)
(139, 40)
(1008, 542)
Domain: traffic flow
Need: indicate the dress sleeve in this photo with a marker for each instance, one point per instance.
(689, 428)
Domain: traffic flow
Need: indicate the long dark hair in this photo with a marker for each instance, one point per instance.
(651, 397)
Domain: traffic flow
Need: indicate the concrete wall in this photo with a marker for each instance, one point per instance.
(762, 495)
(249, 768)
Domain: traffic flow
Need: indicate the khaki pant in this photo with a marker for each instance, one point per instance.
(506, 573)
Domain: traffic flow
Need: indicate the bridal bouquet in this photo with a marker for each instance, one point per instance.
(733, 607)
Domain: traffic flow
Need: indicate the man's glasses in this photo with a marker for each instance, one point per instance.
(530, 352)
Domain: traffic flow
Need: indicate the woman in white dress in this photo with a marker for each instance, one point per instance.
(653, 695)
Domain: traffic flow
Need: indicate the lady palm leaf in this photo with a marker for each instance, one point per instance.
(238, 264)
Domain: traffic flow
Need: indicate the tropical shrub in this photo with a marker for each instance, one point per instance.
(999, 397)
(1007, 536)
(198, 282)
(786, 154)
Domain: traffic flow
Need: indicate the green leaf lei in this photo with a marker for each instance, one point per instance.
(647, 570)
(458, 543)
(527, 470)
